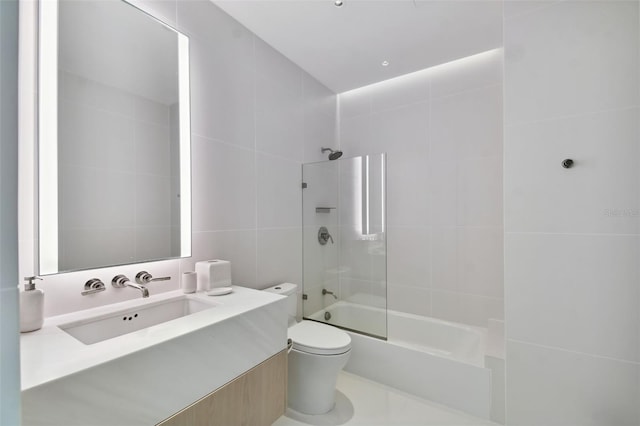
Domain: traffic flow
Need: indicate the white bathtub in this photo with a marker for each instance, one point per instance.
(430, 358)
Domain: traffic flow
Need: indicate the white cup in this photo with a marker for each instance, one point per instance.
(189, 282)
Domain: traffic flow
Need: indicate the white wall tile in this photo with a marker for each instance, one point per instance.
(277, 68)
(238, 247)
(222, 77)
(466, 308)
(577, 292)
(279, 119)
(394, 93)
(599, 194)
(557, 388)
(444, 258)
(442, 197)
(480, 191)
(470, 73)
(408, 257)
(582, 43)
(354, 103)
(481, 134)
(279, 192)
(412, 300)
(480, 261)
(279, 256)
(401, 132)
(224, 190)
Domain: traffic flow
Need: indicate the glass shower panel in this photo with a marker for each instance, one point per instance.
(344, 247)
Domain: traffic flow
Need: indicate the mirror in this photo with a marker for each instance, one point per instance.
(114, 137)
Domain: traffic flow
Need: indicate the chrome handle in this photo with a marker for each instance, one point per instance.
(119, 281)
(324, 235)
(93, 286)
(143, 277)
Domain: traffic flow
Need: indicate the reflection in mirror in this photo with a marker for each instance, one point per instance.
(114, 144)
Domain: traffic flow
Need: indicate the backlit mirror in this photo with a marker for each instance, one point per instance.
(114, 137)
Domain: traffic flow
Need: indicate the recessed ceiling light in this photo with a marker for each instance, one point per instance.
(338, 3)
(385, 63)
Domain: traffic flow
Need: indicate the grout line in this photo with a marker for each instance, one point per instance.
(557, 348)
(570, 116)
(575, 234)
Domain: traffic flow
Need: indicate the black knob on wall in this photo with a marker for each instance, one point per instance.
(568, 163)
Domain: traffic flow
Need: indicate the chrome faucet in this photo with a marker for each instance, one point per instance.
(121, 281)
(325, 292)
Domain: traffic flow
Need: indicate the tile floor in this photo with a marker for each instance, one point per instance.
(362, 402)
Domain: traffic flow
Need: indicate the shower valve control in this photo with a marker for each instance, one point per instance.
(324, 236)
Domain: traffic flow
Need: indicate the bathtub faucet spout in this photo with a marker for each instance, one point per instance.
(325, 292)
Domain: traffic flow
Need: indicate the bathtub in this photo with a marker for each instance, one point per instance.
(434, 359)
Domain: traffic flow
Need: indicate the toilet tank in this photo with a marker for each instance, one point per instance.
(289, 290)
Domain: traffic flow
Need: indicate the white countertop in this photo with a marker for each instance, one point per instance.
(50, 353)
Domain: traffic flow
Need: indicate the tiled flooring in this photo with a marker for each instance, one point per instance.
(366, 403)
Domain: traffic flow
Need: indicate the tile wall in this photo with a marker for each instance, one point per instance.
(571, 235)
(442, 131)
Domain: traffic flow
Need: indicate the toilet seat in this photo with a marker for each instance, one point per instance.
(319, 339)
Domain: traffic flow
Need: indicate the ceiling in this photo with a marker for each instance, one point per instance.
(344, 47)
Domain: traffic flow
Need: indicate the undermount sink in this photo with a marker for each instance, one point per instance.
(107, 326)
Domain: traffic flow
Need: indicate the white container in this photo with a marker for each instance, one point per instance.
(213, 273)
(189, 282)
(31, 306)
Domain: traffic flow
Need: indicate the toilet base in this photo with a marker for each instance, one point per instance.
(312, 381)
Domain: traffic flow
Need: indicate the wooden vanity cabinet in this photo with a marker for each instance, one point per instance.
(256, 398)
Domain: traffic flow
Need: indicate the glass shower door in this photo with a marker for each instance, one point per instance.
(344, 244)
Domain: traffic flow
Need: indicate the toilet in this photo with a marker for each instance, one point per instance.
(318, 354)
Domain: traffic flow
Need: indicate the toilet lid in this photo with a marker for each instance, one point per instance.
(317, 338)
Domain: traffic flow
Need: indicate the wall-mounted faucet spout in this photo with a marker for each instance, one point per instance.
(121, 281)
(325, 292)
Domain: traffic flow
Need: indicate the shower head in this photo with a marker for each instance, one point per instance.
(333, 155)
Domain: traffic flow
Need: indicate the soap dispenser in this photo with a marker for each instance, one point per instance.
(31, 306)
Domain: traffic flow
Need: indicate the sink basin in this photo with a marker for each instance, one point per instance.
(97, 329)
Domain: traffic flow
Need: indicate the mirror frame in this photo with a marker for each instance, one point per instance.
(47, 141)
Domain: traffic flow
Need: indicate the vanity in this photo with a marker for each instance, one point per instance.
(107, 140)
(222, 365)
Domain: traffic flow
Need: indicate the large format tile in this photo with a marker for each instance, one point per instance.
(279, 118)
(558, 388)
(481, 134)
(408, 257)
(480, 191)
(599, 194)
(279, 256)
(466, 308)
(279, 192)
(222, 80)
(473, 72)
(583, 42)
(223, 187)
(577, 292)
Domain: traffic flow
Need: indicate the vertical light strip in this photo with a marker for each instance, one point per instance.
(365, 196)
(48, 138)
(357, 189)
(383, 188)
(185, 146)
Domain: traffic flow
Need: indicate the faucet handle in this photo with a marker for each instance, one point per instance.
(143, 277)
(119, 281)
(94, 285)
